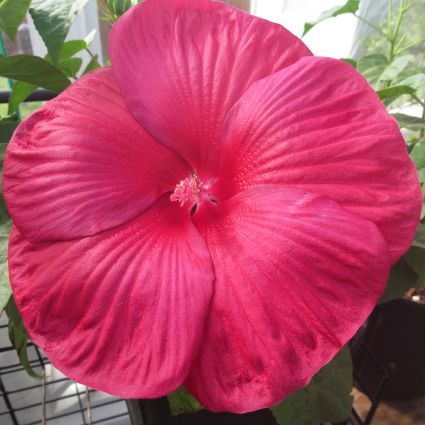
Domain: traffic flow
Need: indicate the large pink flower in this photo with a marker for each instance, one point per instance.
(220, 210)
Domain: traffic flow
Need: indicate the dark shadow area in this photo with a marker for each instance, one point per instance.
(262, 417)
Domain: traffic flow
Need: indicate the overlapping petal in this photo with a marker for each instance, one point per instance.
(316, 198)
(182, 64)
(81, 164)
(318, 125)
(122, 311)
(296, 275)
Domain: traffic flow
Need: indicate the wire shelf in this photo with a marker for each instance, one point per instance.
(53, 400)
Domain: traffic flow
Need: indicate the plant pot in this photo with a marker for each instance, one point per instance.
(263, 417)
(157, 412)
(395, 334)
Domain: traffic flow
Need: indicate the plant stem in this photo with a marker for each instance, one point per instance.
(90, 53)
(422, 103)
(389, 17)
(407, 47)
(88, 408)
(401, 12)
(399, 43)
(394, 35)
(367, 22)
(422, 132)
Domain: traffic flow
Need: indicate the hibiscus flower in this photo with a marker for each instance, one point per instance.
(219, 209)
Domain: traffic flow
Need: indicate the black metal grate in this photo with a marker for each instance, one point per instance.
(54, 400)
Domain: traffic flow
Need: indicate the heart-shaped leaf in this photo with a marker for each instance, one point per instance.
(327, 398)
(181, 402)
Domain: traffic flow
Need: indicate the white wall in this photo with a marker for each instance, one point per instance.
(331, 38)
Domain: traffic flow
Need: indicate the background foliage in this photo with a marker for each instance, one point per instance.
(395, 67)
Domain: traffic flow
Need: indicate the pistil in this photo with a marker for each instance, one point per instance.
(187, 189)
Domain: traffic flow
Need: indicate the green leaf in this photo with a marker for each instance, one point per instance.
(112, 10)
(70, 66)
(5, 226)
(418, 154)
(390, 93)
(182, 402)
(410, 71)
(92, 65)
(20, 91)
(415, 81)
(53, 19)
(396, 67)
(422, 176)
(72, 47)
(415, 242)
(67, 63)
(33, 70)
(18, 336)
(7, 127)
(327, 398)
(351, 62)
(402, 278)
(372, 66)
(4, 215)
(351, 6)
(410, 122)
(12, 13)
(5, 290)
(415, 258)
(419, 239)
(3, 147)
(119, 7)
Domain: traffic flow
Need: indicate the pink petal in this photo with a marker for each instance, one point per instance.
(296, 275)
(318, 125)
(122, 311)
(81, 164)
(182, 64)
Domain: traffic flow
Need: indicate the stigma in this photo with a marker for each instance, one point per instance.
(187, 190)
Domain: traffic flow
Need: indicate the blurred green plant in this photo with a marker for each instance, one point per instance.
(397, 74)
(112, 10)
(409, 25)
(53, 19)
